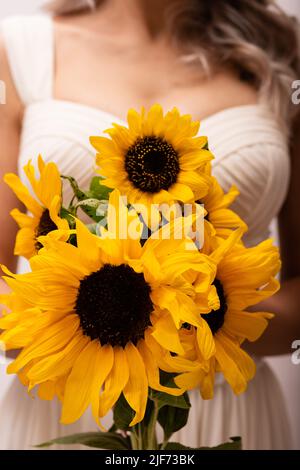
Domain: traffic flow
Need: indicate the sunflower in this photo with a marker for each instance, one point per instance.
(44, 210)
(244, 277)
(157, 159)
(216, 204)
(104, 316)
(219, 221)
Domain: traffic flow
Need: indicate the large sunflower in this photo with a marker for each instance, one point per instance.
(44, 210)
(105, 315)
(157, 159)
(245, 277)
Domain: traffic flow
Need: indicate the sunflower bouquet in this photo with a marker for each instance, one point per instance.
(139, 287)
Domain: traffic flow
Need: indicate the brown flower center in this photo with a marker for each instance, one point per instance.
(114, 305)
(46, 225)
(152, 164)
(215, 319)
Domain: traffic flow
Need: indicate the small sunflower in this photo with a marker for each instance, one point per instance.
(105, 315)
(219, 220)
(44, 210)
(216, 204)
(245, 277)
(157, 159)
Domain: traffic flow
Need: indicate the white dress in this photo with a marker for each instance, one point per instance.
(250, 151)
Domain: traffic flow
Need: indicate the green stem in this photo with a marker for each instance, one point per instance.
(151, 434)
(140, 436)
(165, 443)
(134, 440)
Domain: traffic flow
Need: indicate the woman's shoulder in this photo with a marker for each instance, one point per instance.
(26, 55)
(10, 100)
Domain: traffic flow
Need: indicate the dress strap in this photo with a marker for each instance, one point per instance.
(29, 45)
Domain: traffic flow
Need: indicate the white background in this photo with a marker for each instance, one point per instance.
(288, 374)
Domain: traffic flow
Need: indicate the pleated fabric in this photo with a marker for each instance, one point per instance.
(251, 152)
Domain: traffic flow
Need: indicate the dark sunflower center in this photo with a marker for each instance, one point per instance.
(46, 225)
(215, 319)
(152, 164)
(114, 305)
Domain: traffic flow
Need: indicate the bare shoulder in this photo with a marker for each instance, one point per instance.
(70, 32)
(13, 105)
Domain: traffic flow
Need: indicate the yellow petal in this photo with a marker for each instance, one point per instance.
(58, 364)
(103, 367)
(88, 247)
(238, 368)
(136, 389)
(227, 245)
(23, 194)
(205, 340)
(152, 371)
(134, 121)
(84, 381)
(47, 390)
(182, 192)
(50, 184)
(246, 325)
(54, 209)
(25, 243)
(189, 380)
(23, 220)
(115, 382)
(166, 334)
(52, 340)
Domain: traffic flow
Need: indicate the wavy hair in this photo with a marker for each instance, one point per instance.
(255, 37)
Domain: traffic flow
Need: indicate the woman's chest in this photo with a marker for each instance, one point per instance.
(115, 78)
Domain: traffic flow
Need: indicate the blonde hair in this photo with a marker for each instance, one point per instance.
(255, 37)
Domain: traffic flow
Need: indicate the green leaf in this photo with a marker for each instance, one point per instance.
(65, 214)
(123, 413)
(164, 399)
(176, 446)
(235, 444)
(173, 411)
(98, 190)
(113, 428)
(80, 195)
(94, 203)
(88, 203)
(92, 228)
(91, 208)
(99, 440)
(172, 419)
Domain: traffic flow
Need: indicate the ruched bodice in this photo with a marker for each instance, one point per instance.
(251, 152)
(249, 146)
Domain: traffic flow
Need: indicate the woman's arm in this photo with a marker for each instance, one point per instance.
(285, 327)
(10, 119)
